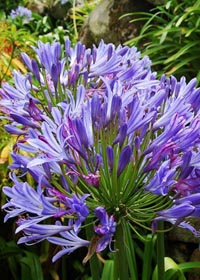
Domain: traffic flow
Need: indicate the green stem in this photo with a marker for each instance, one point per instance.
(130, 253)
(160, 252)
(148, 255)
(121, 264)
(95, 266)
(74, 20)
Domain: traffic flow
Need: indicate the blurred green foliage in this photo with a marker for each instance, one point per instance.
(13, 42)
(170, 37)
(8, 5)
(19, 264)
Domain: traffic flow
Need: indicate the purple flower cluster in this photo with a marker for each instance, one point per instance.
(21, 12)
(104, 140)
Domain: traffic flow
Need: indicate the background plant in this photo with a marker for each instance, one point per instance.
(170, 36)
(8, 5)
(80, 12)
(13, 42)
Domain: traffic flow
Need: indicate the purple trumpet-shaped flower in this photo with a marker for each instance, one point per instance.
(124, 159)
(176, 215)
(25, 199)
(35, 70)
(138, 116)
(34, 112)
(69, 241)
(49, 55)
(163, 179)
(188, 185)
(52, 144)
(38, 173)
(183, 208)
(19, 195)
(90, 179)
(105, 229)
(78, 123)
(110, 156)
(122, 134)
(13, 130)
(78, 207)
(103, 63)
(32, 66)
(193, 199)
(73, 108)
(24, 121)
(96, 109)
(35, 233)
(177, 212)
(15, 97)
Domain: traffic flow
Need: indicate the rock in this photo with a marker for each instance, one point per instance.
(180, 252)
(156, 2)
(195, 257)
(184, 235)
(60, 11)
(56, 10)
(182, 246)
(105, 23)
(37, 7)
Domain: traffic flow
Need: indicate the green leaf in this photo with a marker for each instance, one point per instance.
(31, 267)
(36, 16)
(170, 263)
(181, 19)
(175, 67)
(174, 274)
(189, 266)
(172, 269)
(25, 271)
(2, 15)
(14, 267)
(168, 4)
(108, 270)
(9, 251)
(182, 51)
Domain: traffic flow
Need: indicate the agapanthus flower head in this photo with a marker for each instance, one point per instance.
(21, 12)
(106, 142)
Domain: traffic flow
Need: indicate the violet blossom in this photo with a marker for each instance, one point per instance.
(21, 12)
(106, 142)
